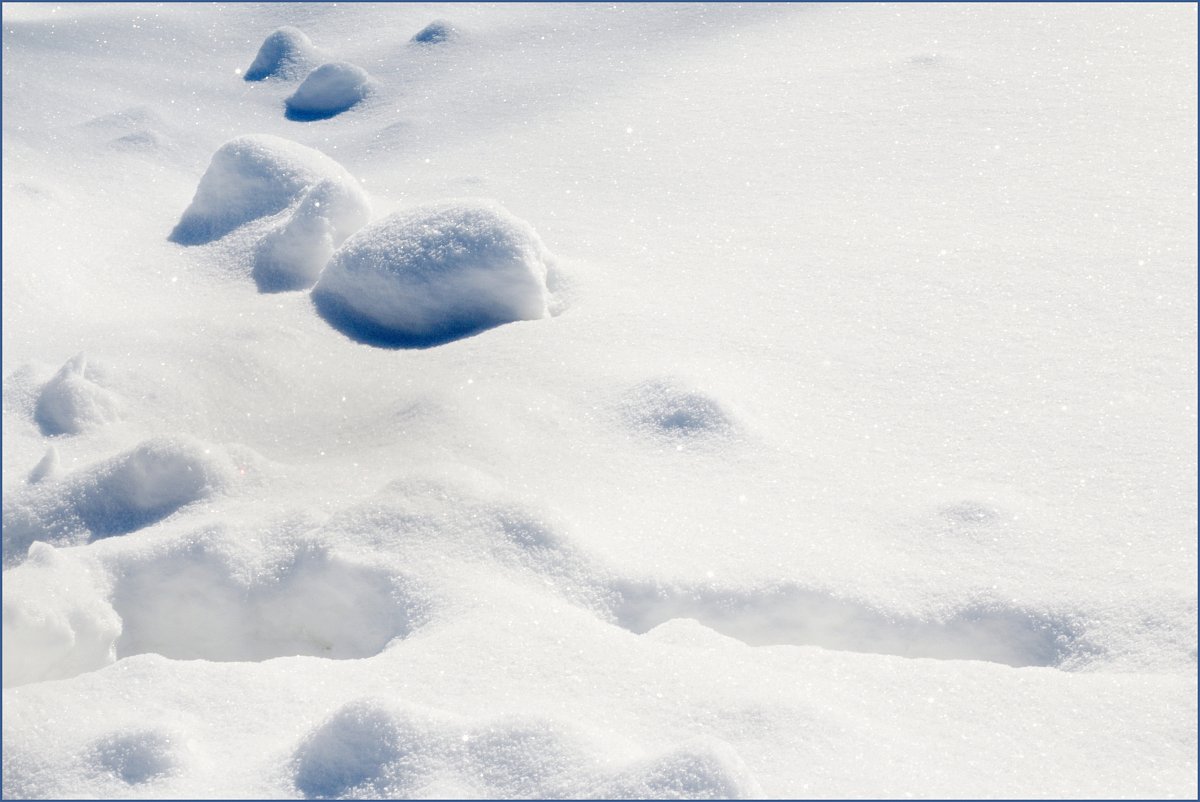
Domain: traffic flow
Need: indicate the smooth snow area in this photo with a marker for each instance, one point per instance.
(599, 400)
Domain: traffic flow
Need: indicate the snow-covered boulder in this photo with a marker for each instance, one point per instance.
(329, 90)
(72, 401)
(292, 256)
(286, 53)
(252, 177)
(435, 273)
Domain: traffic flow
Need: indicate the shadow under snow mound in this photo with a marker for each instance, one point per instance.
(328, 91)
(115, 497)
(433, 274)
(251, 177)
(286, 53)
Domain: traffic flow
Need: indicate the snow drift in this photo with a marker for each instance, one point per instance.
(433, 274)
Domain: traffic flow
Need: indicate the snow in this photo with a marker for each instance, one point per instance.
(636, 400)
(328, 90)
(256, 176)
(435, 33)
(293, 256)
(286, 53)
(435, 273)
(72, 401)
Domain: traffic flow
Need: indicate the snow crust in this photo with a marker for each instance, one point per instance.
(435, 273)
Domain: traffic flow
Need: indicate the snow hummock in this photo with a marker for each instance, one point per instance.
(436, 32)
(286, 53)
(72, 401)
(115, 496)
(435, 273)
(291, 257)
(328, 91)
(251, 177)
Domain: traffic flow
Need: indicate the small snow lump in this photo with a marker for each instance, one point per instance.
(327, 91)
(285, 53)
(433, 274)
(435, 32)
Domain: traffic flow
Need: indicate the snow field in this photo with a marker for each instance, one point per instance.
(827, 481)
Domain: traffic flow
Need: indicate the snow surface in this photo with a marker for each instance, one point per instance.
(845, 447)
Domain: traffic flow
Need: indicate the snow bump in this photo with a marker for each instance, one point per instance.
(116, 496)
(433, 274)
(328, 91)
(73, 402)
(286, 53)
(251, 177)
(291, 257)
(436, 32)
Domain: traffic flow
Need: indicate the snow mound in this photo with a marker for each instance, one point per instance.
(367, 749)
(199, 600)
(328, 91)
(286, 53)
(291, 257)
(436, 32)
(57, 622)
(136, 755)
(700, 769)
(252, 177)
(669, 408)
(116, 496)
(372, 748)
(73, 402)
(433, 274)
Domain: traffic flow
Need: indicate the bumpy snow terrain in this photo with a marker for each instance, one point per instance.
(591, 400)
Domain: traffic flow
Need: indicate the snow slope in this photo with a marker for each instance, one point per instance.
(843, 448)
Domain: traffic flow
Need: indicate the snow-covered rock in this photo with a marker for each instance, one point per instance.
(329, 90)
(286, 53)
(435, 273)
(252, 177)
